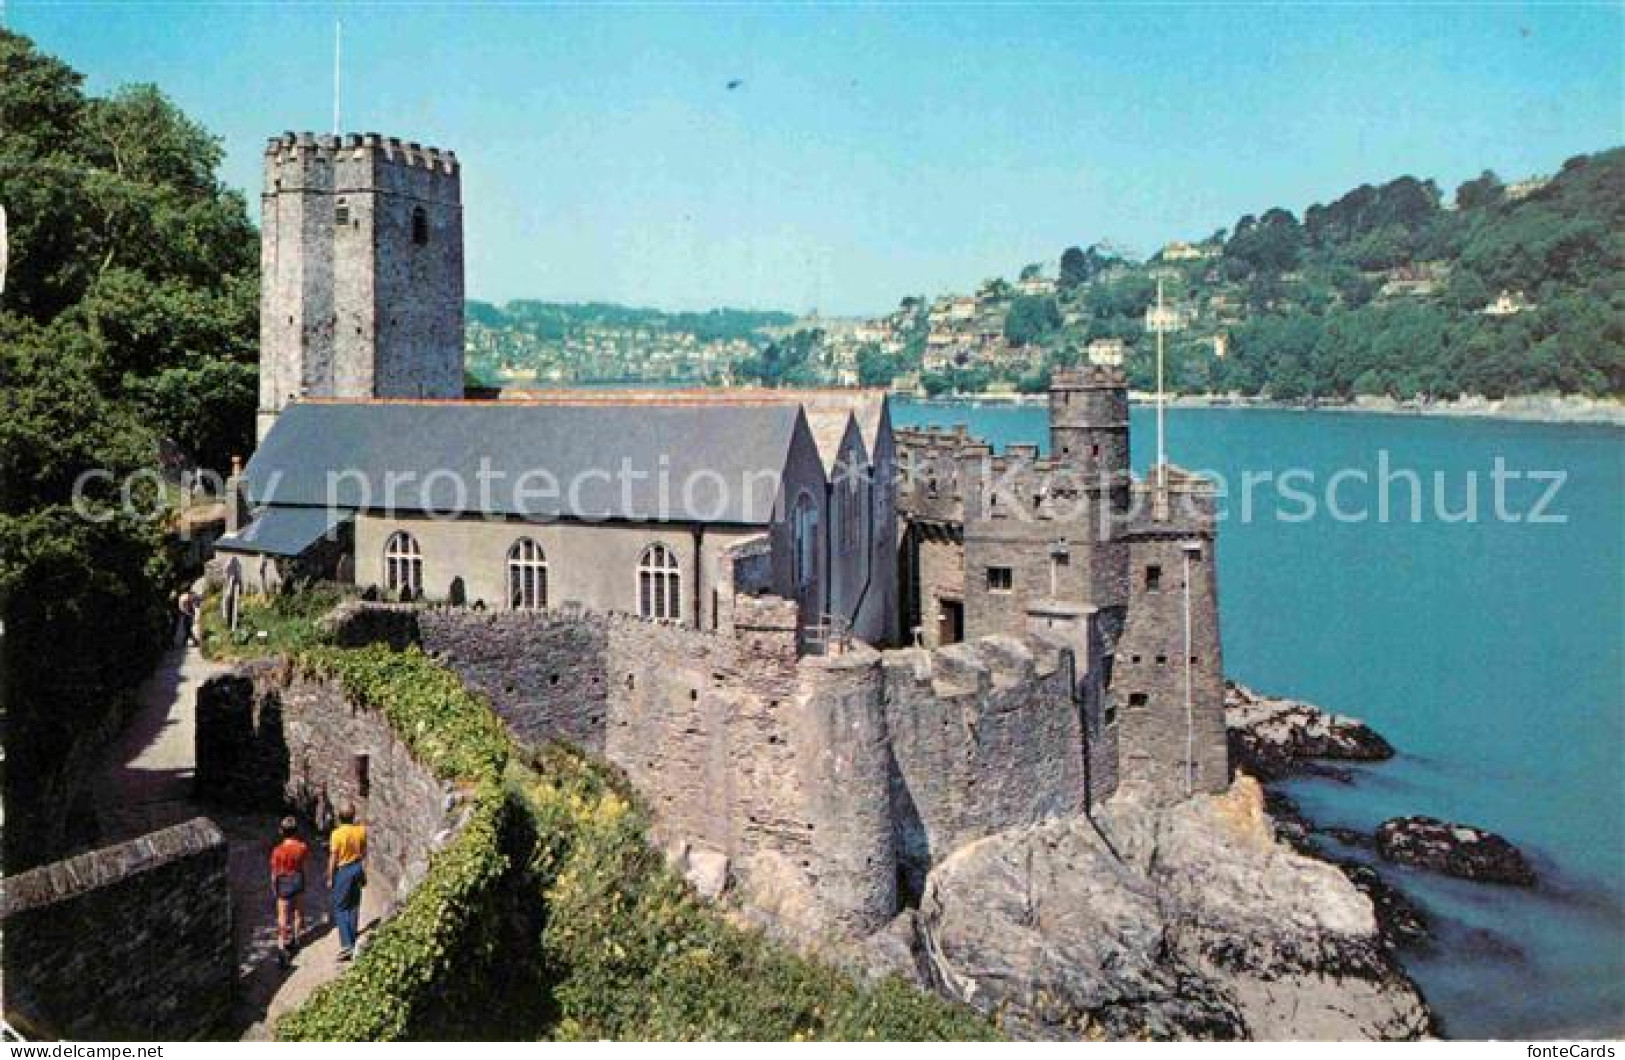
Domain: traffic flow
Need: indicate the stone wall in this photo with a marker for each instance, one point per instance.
(934, 558)
(543, 672)
(129, 942)
(806, 780)
(270, 737)
(985, 736)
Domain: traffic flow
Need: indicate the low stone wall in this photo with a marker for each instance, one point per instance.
(270, 737)
(129, 942)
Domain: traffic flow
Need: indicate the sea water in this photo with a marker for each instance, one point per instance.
(1487, 645)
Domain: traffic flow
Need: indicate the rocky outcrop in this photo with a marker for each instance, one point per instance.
(1453, 849)
(1273, 738)
(1187, 922)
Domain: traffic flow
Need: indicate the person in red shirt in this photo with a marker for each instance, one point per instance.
(287, 886)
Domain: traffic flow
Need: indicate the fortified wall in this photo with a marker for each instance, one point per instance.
(822, 786)
(270, 737)
(132, 941)
(993, 539)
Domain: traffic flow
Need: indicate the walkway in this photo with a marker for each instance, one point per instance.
(147, 784)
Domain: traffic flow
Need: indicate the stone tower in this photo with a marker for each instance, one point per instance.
(361, 271)
(1088, 422)
(1167, 684)
(1089, 435)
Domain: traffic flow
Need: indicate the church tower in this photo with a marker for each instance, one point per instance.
(361, 271)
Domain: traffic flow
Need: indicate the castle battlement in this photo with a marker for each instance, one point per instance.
(1089, 377)
(296, 148)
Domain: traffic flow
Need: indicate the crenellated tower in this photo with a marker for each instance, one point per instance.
(361, 271)
(1167, 686)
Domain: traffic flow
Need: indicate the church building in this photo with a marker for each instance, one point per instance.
(373, 467)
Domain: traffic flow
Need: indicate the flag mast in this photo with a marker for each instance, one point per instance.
(338, 52)
(1162, 451)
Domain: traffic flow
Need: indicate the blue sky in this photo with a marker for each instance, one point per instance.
(871, 151)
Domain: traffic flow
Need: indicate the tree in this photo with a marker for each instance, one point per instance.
(1031, 317)
(131, 311)
(1484, 190)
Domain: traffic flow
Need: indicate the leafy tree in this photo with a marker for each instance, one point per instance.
(130, 315)
(1030, 319)
(1484, 190)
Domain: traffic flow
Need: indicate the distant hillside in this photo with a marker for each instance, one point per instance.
(527, 342)
(1507, 289)
(1390, 290)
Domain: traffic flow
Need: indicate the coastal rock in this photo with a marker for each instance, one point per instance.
(1273, 738)
(1453, 849)
(1401, 923)
(1189, 922)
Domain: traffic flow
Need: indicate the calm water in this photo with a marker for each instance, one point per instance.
(1491, 653)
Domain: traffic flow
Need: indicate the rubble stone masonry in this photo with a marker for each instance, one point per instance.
(131, 941)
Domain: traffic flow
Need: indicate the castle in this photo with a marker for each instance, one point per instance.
(828, 653)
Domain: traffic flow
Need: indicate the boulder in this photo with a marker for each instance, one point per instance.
(1273, 738)
(1453, 849)
(1187, 922)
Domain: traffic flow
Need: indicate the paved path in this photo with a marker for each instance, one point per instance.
(147, 784)
(148, 780)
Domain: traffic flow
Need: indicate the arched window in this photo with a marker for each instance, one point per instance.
(403, 565)
(804, 532)
(659, 584)
(420, 226)
(527, 576)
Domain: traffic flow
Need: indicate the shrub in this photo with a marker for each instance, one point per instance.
(630, 952)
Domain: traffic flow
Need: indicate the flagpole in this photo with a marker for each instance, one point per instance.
(338, 51)
(1162, 452)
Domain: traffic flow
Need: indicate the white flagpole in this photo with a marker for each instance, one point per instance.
(338, 49)
(1162, 452)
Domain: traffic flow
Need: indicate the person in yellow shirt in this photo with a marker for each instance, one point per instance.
(346, 851)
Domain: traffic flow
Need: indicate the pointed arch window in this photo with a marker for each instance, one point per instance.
(659, 584)
(804, 529)
(527, 576)
(403, 565)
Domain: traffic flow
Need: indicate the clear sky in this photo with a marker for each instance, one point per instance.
(870, 151)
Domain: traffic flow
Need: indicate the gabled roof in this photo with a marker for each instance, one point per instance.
(829, 429)
(867, 406)
(670, 463)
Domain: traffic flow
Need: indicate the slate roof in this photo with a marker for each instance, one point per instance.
(866, 406)
(284, 531)
(591, 461)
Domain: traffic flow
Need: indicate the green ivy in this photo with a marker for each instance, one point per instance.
(550, 915)
(445, 726)
(393, 991)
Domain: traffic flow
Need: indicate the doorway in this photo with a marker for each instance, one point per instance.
(951, 615)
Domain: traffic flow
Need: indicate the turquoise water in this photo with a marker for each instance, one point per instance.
(1491, 653)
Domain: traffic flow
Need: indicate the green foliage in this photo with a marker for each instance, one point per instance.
(787, 362)
(878, 368)
(551, 915)
(423, 971)
(1030, 319)
(129, 314)
(284, 624)
(444, 726)
(120, 229)
(81, 585)
(632, 953)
